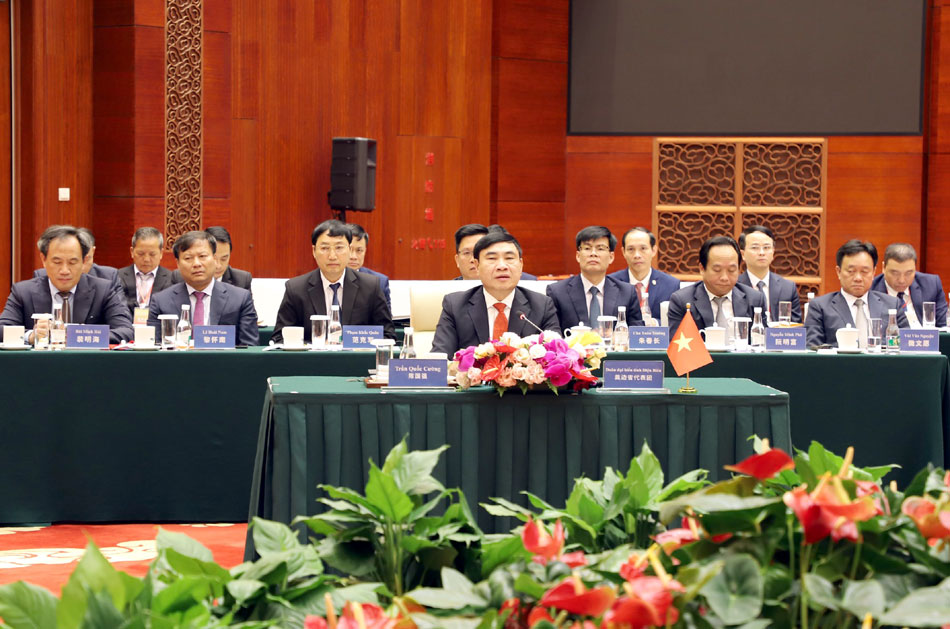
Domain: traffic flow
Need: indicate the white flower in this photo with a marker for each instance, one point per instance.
(484, 350)
(521, 355)
(510, 339)
(537, 351)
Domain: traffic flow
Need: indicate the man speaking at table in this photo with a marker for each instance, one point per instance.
(717, 298)
(902, 280)
(483, 313)
(359, 295)
(85, 299)
(212, 302)
(591, 293)
(855, 304)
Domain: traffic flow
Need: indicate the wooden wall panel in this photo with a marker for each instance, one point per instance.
(936, 219)
(6, 157)
(539, 228)
(532, 29)
(216, 116)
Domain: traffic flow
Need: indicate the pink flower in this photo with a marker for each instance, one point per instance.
(505, 377)
(535, 374)
(519, 372)
(474, 376)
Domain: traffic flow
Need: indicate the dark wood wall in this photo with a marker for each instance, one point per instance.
(478, 87)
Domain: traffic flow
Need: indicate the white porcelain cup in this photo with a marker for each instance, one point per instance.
(144, 335)
(847, 338)
(293, 336)
(577, 330)
(13, 335)
(715, 336)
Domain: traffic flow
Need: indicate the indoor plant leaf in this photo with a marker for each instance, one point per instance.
(735, 594)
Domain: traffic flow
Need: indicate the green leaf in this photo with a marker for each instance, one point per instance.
(413, 472)
(586, 509)
(735, 594)
(382, 491)
(271, 537)
(351, 496)
(524, 583)
(706, 501)
(180, 596)
(183, 544)
(820, 592)
(245, 589)
(93, 574)
(25, 606)
(505, 508)
(189, 566)
(926, 607)
(101, 612)
(395, 456)
(863, 597)
(644, 477)
(440, 598)
(689, 481)
(497, 553)
(761, 623)
(695, 576)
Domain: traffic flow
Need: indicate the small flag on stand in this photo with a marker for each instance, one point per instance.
(687, 350)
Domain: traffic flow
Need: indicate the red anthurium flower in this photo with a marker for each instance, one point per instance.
(633, 567)
(672, 539)
(537, 541)
(765, 465)
(491, 368)
(648, 603)
(575, 559)
(572, 596)
(314, 622)
(830, 510)
(537, 615)
(933, 524)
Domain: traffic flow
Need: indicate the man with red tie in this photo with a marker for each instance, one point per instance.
(652, 285)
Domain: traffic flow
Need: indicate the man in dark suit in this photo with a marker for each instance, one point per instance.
(758, 250)
(212, 302)
(855, 304)
(584, 297)
(89, 265)
(465, 238)
(85, 299)
(359, 295)
(225, 273)
(144, 277)
(652, 286)
(358, 256)
(902, 280)
(717, 298)
(485, 312)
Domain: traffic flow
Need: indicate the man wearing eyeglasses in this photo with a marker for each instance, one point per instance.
(758, 249)
(590, 294)
(855, 304)
(359, 295)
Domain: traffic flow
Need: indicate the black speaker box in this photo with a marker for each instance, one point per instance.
(353, 174)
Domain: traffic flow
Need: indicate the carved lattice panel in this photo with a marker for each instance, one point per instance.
(797, 241)
(781, 174)
(682, 233)
(697, 174)
(183, 115)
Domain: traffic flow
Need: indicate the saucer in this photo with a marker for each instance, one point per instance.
(15, 348)
(146, 348)
(295, 348)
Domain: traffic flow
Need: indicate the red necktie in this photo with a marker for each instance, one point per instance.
(199, 308)
(501, 322)
(639, 287)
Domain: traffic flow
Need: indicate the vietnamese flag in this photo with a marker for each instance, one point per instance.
(687, 350)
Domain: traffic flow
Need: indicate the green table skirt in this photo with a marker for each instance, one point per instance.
(324, 430)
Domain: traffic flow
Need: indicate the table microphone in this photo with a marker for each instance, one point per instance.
(522, 316)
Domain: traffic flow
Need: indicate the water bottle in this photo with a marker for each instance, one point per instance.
(893, 333)
(408, 348)
(757, 342)
(335, 329)
(57, 328)
(621, 331)
(183, 331)
(805, 307)
(646, 314)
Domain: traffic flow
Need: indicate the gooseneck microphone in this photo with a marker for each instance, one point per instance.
(522, 316)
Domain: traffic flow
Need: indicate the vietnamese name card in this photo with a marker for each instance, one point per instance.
(214, 336)
(918, 340)
(785, 339)
(633, 374)
(642, 337)
(361, 336)
(418, 372)
(84, 336)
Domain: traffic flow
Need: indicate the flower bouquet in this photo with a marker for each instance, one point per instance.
(533, 361)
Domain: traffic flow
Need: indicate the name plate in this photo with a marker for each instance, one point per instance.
(361, 336)
(920, 340)
(785, 339)
(642, 337)
(83, 336)
(633, 374)
(418, 372)
(213, 336)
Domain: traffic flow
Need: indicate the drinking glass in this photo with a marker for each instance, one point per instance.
(169, 330)
(875, 332)
(384, 353)
(318, 331)
(740, 331)
(785, 312)
(930, 315)
(605, 327)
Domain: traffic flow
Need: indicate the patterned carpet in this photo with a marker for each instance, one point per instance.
(46, 556)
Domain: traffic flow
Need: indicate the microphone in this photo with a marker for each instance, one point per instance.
(522, 316)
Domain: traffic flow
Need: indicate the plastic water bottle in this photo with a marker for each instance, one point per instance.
(335, 329)
(183, 331)
(893, 333)
(621, 340)
(757, 342)
(408, 347)
(57, 328)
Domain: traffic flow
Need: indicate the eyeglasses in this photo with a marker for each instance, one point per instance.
(338, 249)
(465, 253)
(599, 249)
(761, 248)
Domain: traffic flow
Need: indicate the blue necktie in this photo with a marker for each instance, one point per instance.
(594, 306)
(335, 287)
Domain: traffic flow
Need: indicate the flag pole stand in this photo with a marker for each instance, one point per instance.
(687, 388)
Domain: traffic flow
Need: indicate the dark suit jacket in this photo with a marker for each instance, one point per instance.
(571, 302)
(383, 283)
(232, 276)
(98, 271)
(829, 312)
(780, 289)
(926, 287)
(464, 319)
(363, 303)
(524, 276)
(230, 305)
(96, 302)
(126, 275)
(662, 287)
(744, 299)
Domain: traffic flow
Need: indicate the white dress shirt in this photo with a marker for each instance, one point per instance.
(754, 279)
(328, 292)
(493, 312)
(912, 319)
(726, 305)
(148, 281)
(848, 297)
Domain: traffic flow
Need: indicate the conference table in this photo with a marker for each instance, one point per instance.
(100, 436)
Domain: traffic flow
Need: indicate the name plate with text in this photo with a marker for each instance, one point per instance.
(642, 337)
(785, 339)
(214, 336)
(85, 336)
(361, 336)
(917, 340)
(633, 374)
(418, 372)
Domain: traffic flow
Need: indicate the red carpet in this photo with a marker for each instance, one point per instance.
(46, 556)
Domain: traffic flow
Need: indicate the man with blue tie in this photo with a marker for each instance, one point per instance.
(757, 243)
(653, 286)
(590, 294)
(912, 288)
